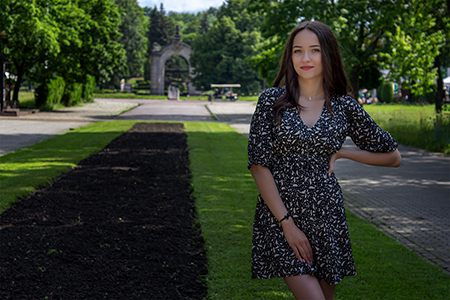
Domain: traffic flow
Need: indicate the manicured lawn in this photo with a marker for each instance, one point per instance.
(225, 200)
(414, 125)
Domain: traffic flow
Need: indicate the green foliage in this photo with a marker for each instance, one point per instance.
(161, 27)
(68, 38)
(404, 36)
(72, 94)
(133, 36)
(88, 89)
(222, 54)
(415, 44)
(385, 92)
(177, 73)
(147, 69)
(50, 92)
(32, 36)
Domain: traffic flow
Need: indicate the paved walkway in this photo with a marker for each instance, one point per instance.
(410, 203)
(28, 130)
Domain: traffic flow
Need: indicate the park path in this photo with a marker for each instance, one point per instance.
(411, 203)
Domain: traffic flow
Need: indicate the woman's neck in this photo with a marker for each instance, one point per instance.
(311, 88)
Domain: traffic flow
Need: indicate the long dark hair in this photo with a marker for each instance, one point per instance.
(335, 82)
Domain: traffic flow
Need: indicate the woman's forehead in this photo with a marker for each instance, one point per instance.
(306, 38)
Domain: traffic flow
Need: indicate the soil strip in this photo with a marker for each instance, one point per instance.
(121, 225)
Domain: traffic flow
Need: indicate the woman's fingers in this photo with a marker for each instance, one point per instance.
(297, 254)
(298, 242)
(331, 165)
(306, 252)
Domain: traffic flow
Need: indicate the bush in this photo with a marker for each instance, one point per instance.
(50, 92)
(386, 92)
(72, 94)
(88, 89)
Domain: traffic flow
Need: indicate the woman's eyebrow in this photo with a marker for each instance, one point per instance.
(312, 46)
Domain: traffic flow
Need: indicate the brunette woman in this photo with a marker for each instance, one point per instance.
(297, 132)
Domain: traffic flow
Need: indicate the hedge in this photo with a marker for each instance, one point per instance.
(72, 94)
(50, 92)
(88, 89)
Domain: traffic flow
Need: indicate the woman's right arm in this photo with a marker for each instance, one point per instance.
(269, 192)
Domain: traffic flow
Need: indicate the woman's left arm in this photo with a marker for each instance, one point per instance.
(382, 159)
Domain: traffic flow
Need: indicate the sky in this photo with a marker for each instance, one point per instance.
(182, 5)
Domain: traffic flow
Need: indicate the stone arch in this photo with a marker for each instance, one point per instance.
(159, 58)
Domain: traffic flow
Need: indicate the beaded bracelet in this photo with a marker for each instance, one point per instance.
(284, 218)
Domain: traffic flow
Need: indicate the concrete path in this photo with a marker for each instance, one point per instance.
(410, 203)
(28, 130)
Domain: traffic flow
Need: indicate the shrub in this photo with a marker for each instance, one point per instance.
(72, 94)
(88, 89)
(386, 92)
(50, 92)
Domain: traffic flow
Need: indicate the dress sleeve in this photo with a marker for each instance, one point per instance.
(262, 126)
(365, 133)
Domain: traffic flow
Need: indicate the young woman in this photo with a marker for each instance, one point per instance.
(300, 230)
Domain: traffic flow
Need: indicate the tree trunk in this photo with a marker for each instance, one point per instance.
(354, 81)
(440, 85)
(20, 71)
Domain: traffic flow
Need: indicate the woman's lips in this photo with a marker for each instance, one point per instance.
(306, 68)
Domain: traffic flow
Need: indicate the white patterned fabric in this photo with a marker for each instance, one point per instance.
(298, 158)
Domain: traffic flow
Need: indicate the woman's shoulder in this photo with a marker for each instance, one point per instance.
(345, 101)
(271, 94)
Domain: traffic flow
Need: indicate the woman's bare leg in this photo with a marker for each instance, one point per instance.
(305, 287)
(328, 290)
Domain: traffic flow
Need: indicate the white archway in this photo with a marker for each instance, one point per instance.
(159, 59)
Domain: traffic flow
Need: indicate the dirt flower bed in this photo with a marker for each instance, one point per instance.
(122, 225)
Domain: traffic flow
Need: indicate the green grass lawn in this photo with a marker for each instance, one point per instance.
(414, 125)
(225, 200)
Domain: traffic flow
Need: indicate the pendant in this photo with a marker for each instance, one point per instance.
(309, 98)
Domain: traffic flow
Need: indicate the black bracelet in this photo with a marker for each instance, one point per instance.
(285, 217)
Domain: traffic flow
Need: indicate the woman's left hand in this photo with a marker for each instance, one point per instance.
(333, 159)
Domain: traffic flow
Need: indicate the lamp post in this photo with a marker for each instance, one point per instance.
(3, 37)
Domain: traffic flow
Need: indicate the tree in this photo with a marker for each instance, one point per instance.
(442, 15)
(62, 37)
(161, 28)
(191, 25)
(102, 53)
(415, 45)
(32, 36)
(360, 27)
(133, 36)
(220, 56)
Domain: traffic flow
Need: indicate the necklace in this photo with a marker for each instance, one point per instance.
(312, 97)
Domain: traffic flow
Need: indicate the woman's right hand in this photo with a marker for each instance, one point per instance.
(298, 241)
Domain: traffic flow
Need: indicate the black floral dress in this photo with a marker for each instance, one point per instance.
(298, 158)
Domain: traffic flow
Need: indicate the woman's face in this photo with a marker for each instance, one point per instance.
(307, 56)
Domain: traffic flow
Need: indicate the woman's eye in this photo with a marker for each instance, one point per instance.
(315, 50)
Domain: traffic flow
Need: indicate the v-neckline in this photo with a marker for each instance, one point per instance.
(317, 121)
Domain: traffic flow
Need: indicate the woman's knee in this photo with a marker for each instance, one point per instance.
(305, 287)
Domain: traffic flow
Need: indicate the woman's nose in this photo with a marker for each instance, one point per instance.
(306, 56)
